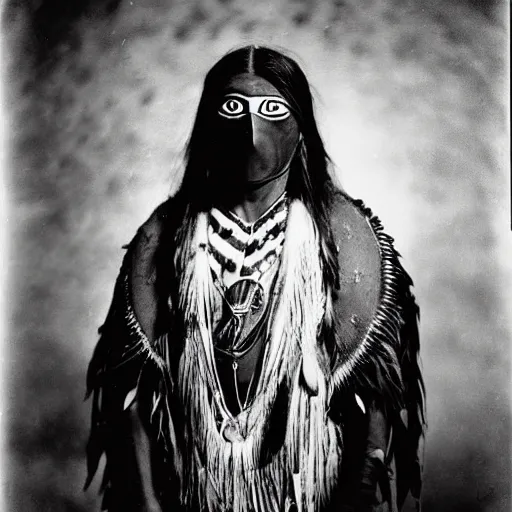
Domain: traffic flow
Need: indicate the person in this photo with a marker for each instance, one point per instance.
(261, 350)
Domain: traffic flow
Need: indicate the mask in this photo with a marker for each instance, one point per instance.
(256, 134)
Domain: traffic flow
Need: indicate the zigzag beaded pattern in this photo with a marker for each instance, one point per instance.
(239, 249)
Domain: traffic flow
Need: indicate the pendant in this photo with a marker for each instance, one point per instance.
(245, 301)
(231, 431)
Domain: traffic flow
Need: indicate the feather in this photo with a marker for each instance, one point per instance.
(360, 403)
(130, 398)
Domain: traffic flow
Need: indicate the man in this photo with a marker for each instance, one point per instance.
(260, 353)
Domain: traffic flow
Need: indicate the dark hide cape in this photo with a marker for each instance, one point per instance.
(373, 348)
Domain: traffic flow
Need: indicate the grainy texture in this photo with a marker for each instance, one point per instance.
(412, 105)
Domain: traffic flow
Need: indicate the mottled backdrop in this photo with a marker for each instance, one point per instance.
(412, 102)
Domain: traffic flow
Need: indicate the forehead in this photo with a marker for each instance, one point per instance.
(251, 85)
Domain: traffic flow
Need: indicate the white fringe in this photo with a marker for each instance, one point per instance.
(222, 472)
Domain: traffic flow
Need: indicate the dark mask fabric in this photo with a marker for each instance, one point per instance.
(254, 140)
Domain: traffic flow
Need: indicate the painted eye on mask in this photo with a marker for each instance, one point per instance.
(232, 108)
(274, 109)
(271, 108)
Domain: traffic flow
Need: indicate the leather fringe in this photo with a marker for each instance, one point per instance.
(220, 471)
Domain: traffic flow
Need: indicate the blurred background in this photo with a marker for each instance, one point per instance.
(412, 99)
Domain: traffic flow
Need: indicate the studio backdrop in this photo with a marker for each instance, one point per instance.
(412, 101)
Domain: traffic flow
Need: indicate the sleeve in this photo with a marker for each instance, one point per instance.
(112, 374)
(122, 357)
(364, 468)
(377, 378)
(410, 423)
(392, 461)
(382, 441)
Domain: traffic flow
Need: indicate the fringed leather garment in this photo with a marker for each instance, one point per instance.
(337, 413)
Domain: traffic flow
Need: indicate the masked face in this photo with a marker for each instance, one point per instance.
(255, 133)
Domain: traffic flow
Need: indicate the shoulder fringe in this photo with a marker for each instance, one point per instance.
(385, 366)
(374, 365)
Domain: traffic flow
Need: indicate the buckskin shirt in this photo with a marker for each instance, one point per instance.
(249, 404)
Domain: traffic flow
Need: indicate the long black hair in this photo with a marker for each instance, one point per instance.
(309, 179)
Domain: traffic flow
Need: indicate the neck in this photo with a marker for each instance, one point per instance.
(254, 201)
